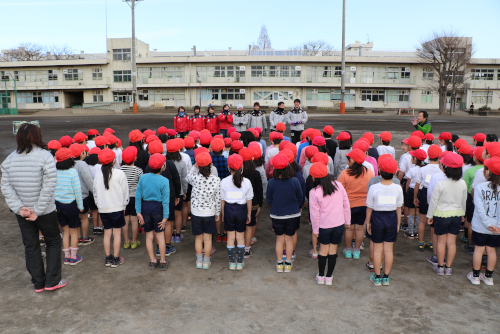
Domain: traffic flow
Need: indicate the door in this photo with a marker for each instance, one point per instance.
(448, 102)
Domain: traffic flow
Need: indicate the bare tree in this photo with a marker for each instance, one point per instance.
(25, 52)
(264, 42)
(61, 52)
(313, 48)
(449, 57)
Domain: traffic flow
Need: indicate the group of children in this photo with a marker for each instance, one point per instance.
(220, 176)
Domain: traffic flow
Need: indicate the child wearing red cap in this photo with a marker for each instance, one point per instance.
(445, 141)
(225, 120)
(181, 122)
(340, 160)
(383, 217)
(447, 210)
(331, 144)
(111, 196)
(478, 139)
(485, 223)
(69, 203)
(258, 159)
(236, 196)
(275, 138)
(417, 160)
(91, 134)
(212, 122)
(330, 211)
(385, 142)
(220, 163)
(174, 156)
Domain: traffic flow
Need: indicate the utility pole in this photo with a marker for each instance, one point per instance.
(132, 5)
(342, 75)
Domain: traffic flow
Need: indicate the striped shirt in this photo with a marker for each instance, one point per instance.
(133, 173)
(68, 187)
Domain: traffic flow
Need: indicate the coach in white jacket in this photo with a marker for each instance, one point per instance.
(296, 117)
(278, 115)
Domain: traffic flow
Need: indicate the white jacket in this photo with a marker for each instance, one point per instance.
(243, 119)
(296, 115)
(257, 121)
(275, 118)
(115, 198)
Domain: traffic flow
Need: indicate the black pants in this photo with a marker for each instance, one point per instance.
(471, 112)
(47, 224)
(296, 136)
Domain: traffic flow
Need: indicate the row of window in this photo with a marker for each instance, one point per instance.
(37, 97)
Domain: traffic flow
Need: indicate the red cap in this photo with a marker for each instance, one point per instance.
(80, 137)
(465, 149)
(415, 142)
(318, 170)
(112, 139)
(344, 136)
(54, 145)
(180, 143)
(279, 161)
(135, 136)
(106, 156)
(236, 146)
(419, 154)
(446, 136)
(259, 130)
(283, 145)
(313, 133)
(357, 155)
(291, 147)
(76, 150)
(218, 137)
(162, 130)
(328, 130)
(231, 130)
(171, 133)
(492, 148)
(86, 148)
(460, 142)
(195, 135)
(101, 141)
(442, 155)
(156, 161)
(320, 157)
(452, 160)
(235, 161)
(148, 133)
(479, 137)
(493, 165)
(289, 155)
(257, 153)
(319, 141)
(383, 156)
(280, 127)
(172, 146)
(95, 150)
(228, 142)
(129, 154)
(151, 138)
(429, 136)
(311, 151)
(389, 165)
(188, 142)
(369, 136)
(204, 131)
(385, 136)
(246, 153)
(472, 151)
(203, 159)
(303, 135)
(217, 145)
(109, 130)
(275, 135)
(479, 153)
(66, 141)
(362, 145)
(434, 151)
(118, 142)
(200, 150)
(235, 135)
(405, 141)
(156, 146)
(418, 133)
(206, 139)
(63, 154)
(93, 132)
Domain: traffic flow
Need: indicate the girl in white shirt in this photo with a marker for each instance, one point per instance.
(418, 157)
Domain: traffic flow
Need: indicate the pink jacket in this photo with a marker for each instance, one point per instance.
(330, 211)
(302, 159)
(373, 161)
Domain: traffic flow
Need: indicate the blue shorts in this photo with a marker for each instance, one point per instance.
(384, 226)
(423, 206)
(331, 235)
(130, 209)
(152, 212)
(86, 204)
(449, 225)
(171, 210)
(409, 198)
(68, 214)
(469, 210)
(178, 207)
(202, 225)
(358, 215)
(253, 218)
(235, 217)
(92, 206)
(490, 240)
(288, 226)
(112, 220)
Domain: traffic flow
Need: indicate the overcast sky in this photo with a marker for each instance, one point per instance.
(175, 25)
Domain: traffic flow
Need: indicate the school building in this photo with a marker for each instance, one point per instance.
(374, 79)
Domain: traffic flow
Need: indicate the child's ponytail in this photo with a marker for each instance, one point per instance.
(494, 180)
(107, 172)
(237, 178)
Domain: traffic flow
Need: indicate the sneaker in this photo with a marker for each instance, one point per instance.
(153, 265)
(117, 261)
(448, 271)
(320, 279)
(66, 260)
(218, 238)
(101, 230)
(370, 267)
(213, 250)
(39, 290)
(279, 267)
(184, 228)
(356, 255)
(328, 280)
(347, 253)
(409, 235)
(224, 238)
(239, 266)
(170, 251)
(415, 235)
(172, 239)
(362, 245)
(293, 256)
(107, 261)
(464, 239)
(95, 231)
(87, 241)
(44, 255)
(248, 254)
(313, 254)
(178, 238)
(199, 265)
(421, 246)
(254, 240)
(486, 280)
(375, 280)
(74, 262)
(429, 244)
(157, 252)
(59, 285)
(232, 265)
(126, 245)
(189, 217)
(207, 265)
(468, 249)
(288, 268)
(385, 281)
(164, 266)
(439, 271)
(134, 245)
(403, 227)
(432, 260)
(80, 241)
(472, 279)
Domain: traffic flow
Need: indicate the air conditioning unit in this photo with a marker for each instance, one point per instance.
(407, 69)
(298, 68)
(314, 91)
(242, 68)
(242, 91)
(65, 71)
(353, 68)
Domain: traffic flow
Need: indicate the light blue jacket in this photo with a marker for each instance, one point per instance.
(487, 208)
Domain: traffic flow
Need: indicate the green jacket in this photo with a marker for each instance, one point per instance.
(425, 127)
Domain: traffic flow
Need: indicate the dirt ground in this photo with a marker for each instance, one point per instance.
(132, 298)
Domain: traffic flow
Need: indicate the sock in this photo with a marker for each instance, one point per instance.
(199, 258)
(67, 253)
(73, 252)
(332, 261)
(279, 262)
(247, 249)
(417, 220)
(371, 260)
(206, 259)
(354, 249)
(167, 246)
(411, 224)
(321, 265)
(240, 251)
(230, 253)
(488, 273)
(475, 273)
(385, 275)
(348, 249)
(440, 266)
(377, 276)
(288, 263)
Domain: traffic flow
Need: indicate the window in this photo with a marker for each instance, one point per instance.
(398, 96)
(3, 76)
(326, 94)
(71, 75)
(220, 71)
(426, 96)
(326, 71)
(52, 75)
(405, 72)
(122, 76)
(143, 95)
(98, 96)
(282, 71)
(479, 96)
(378, 73)
(428, 74)
(169, 94)
(221, 94)
(372, 95)
(37, 97)
(482, 74)
(122, 96)
(97, 74)
(263, 95)
(122, 54)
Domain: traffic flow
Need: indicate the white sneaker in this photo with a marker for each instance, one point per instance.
(472, 279)
(486, 280)
(328, 280)
(320, 279)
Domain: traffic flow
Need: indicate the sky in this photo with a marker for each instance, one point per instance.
(177, 25)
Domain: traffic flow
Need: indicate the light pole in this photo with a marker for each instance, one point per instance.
(342, 75)
(132, 5)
